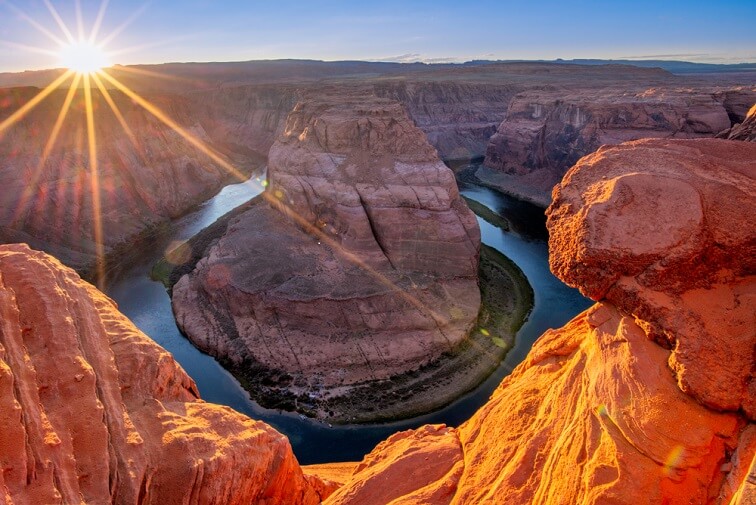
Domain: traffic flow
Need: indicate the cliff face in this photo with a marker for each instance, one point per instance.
(244, 119)
(145, 175)
(545, 133)
(364, 267)
(746, 130)
(690, 279)
(457, 117)
(93, 411)
(645, 396)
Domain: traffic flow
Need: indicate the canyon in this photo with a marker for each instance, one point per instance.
(612, 407)
(146, 173)
(360, 268)
(530, 121)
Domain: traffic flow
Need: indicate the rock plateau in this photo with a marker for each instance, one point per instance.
(362, 264)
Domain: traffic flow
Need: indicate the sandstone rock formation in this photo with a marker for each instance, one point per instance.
(602, 410)
(146, 174)
(544, 134)
(742, 131)
(366, 270)
(239, 109)
(691, 278)
(457, 117)
(92, 411)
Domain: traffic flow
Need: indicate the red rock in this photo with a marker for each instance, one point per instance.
(545, 133)
(595, 414)
(591, 416)
(143, 181)
(419, 466)
(369, 270)
(93, 411)
(742, 131)
(656, 227)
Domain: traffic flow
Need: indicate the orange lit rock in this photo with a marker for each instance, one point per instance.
(591, 416)
(419, 466)
(595, 413)
(742, 131)
(92, 411)
(659, 228)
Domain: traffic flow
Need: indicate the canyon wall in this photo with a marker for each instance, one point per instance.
(545, 133)
(244, 119)
(531, 120)
(93, 411)
(458, 117)
(648, 395)
(361, 265)
(54, 198)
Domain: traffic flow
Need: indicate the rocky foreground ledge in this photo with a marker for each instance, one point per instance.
(361, 266)
(93, 411)
(647, 397)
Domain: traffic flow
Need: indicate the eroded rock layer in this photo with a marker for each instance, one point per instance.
(745, 130)
(363, 267)
(545, 133)
(643, 398)
(659, 228)
(56, 198)
(92, 411)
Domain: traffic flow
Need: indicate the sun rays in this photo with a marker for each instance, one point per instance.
(85, 63)
(85, 60)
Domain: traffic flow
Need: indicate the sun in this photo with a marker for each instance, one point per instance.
(83, 57)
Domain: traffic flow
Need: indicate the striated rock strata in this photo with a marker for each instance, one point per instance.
(457, 117)
(364, 266)
(92, 411)
(545, 133)
(745, 131)
(146, 173)
(645, 397)
(689, 279)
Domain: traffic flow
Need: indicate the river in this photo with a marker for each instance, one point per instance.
(147, 304)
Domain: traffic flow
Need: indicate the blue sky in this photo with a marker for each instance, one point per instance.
(442, 30)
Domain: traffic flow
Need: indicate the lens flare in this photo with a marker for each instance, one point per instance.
(83, 57)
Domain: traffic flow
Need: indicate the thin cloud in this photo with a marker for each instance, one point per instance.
(418, 58)
(665, 56)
